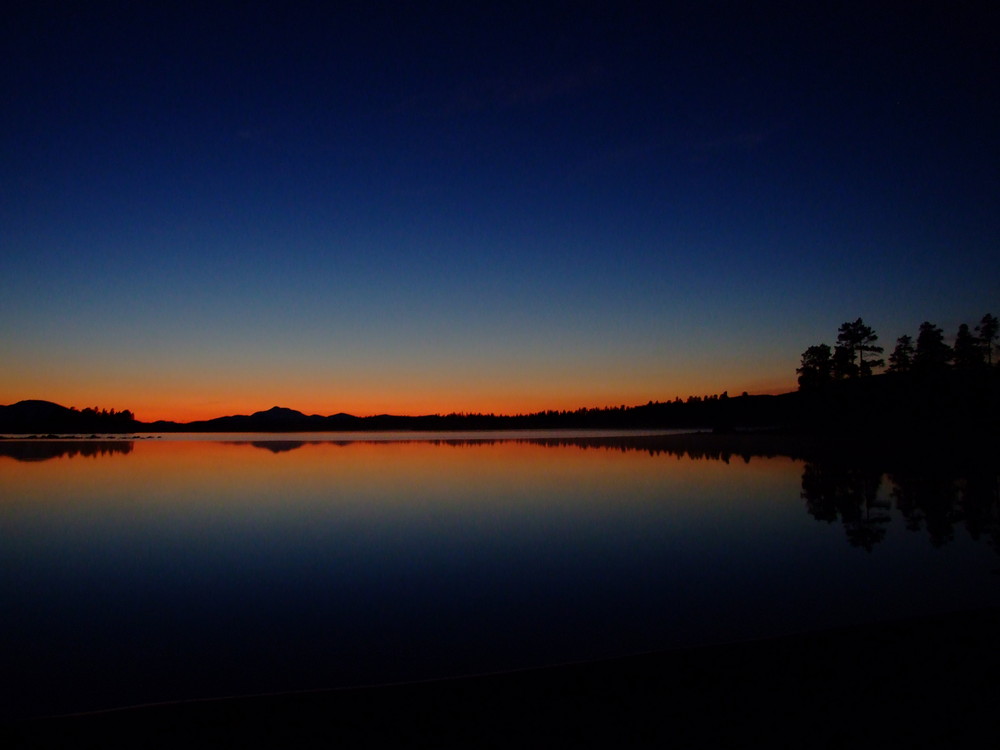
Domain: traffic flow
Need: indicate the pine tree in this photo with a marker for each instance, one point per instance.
(901, 359)
(968, 351)
(987, 329)
(857, 338)
(931, 353)
(816, 367)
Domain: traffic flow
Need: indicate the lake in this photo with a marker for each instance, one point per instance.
(147, 570)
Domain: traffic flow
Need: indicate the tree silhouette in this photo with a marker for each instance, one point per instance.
(842, 364)
(968, 352)
(857, 338)
(931, 353)
(988, 329)
(901, 359)
(816, 367)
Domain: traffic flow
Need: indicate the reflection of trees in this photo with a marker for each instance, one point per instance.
(833, 491)
(933, 488)
(929, 497)
(697, 446)
(927, 501)
(937, 502)
(980, 499)
(42, 450)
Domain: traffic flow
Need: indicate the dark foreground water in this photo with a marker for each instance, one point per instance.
(157, 570)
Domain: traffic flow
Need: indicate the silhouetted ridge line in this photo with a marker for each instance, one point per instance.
(943, 398)
(26, 417)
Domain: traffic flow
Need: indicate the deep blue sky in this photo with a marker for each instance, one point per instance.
(433, 207)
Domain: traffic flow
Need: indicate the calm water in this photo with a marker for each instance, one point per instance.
(151, 570)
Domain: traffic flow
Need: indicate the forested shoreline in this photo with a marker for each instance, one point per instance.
(927, 384)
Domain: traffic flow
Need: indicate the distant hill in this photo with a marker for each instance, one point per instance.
(34, 416)
(879, 403)
(275, 419)
(719, 412)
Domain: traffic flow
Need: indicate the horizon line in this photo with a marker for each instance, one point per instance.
(412, 415)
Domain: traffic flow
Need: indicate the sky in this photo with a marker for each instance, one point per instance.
(417, 208)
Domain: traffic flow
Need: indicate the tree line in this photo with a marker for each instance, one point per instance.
(97, 413)
(857, 354)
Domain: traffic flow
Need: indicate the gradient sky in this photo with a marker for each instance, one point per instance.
(416, 208)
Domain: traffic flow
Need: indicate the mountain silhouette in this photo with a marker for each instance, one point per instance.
(34, 415)
(46, 417)
(275, 419)
(891, 402)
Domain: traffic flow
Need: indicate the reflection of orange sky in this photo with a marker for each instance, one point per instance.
(375, 477)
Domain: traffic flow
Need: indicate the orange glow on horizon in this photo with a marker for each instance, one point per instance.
(178, 399)
(181, 411)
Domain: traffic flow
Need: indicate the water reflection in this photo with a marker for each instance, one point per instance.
(150, 570)
(929, 498)
(858, 488)
(850, 493)
(277, 446)
(44, 450)
(849, 487)
(937, 502)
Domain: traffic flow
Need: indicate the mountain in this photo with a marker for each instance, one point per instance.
(275, 419)
(35, 416)
(46, 417)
